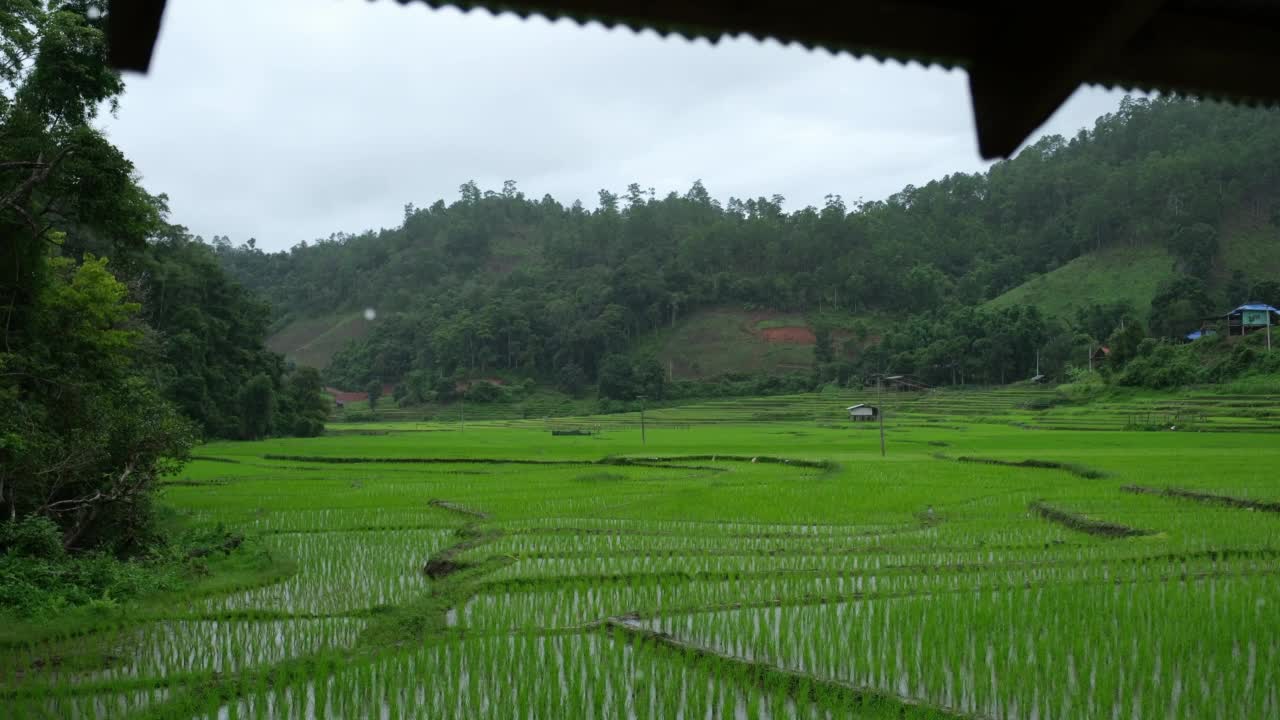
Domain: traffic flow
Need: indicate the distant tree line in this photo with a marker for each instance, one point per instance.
(499, 281)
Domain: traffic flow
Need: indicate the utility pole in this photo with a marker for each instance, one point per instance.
(880, 410)
(642, 438)
(464, 413)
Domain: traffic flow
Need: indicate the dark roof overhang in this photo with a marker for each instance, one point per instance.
(1023, 59)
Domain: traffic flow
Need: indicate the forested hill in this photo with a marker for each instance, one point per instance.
(497, 281)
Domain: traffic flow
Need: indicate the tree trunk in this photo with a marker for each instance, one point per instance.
(83, 517)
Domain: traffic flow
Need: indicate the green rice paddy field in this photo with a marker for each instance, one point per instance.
(1009, 558)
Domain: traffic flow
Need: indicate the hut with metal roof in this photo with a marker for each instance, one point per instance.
(863, 412)
(1249, 318)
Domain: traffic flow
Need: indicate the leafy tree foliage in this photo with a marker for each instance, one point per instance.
(1179, 304)
(257, 407)
(484, 391)
(1098, 320)
(823, 350)
(1195, 247)
(1265, 291)
(623, 379)
(210, 333)
(85, 436)
(571, 379)
(966, 345)
(305, 407)
(1125, 344)
(104, 366)
(618, 378)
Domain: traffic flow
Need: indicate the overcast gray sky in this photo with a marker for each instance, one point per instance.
(288, 120)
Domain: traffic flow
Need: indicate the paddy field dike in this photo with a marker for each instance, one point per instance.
(1009, 556)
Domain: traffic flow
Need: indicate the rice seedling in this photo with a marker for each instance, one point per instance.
(499, 573)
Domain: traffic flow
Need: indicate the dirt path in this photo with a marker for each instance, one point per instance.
(1085, 524)
(1228, 500)
(800, 686)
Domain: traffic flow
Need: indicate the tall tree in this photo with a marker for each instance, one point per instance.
(257, 407)
(84, 436)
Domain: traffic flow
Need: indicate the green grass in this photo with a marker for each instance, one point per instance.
(779, 322)
(714, 574)
(313, 341)
(1122, 274)
(715, 341)
(1247, 243)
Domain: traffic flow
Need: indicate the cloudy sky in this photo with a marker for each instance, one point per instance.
(288, 120)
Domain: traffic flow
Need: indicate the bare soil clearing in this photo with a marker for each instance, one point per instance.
(792, 335)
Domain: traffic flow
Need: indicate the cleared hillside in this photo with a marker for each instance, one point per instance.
(1254, 250)
(712, 342)
(313, 341)
(1121, 274)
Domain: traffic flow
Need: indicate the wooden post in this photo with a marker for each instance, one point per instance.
(880, 413)
(642, 438)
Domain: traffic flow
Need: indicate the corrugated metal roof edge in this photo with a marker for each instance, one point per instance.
(1253, 306)
(691, 33)
(903, 58)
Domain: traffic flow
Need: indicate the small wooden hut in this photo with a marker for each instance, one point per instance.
(863, 412)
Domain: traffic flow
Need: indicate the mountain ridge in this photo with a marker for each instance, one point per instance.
(1163, 196)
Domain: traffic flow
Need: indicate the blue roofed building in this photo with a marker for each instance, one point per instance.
(1251, 317)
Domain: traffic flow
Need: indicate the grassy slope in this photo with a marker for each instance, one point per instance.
(313, 341)
(1116, 274)
(1253, 250)
(714, 341)
(1133, 274)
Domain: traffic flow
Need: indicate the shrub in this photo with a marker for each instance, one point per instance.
(484, 391)
(34, 536)
(1162, 366)
(34, 585)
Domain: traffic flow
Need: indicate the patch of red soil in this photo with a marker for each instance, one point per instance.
(792, 335)
(345, 396)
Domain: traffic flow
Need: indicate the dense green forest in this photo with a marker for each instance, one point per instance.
(497, 281)
(122, 341)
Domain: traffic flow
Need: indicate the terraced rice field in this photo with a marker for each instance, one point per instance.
(754, 558)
